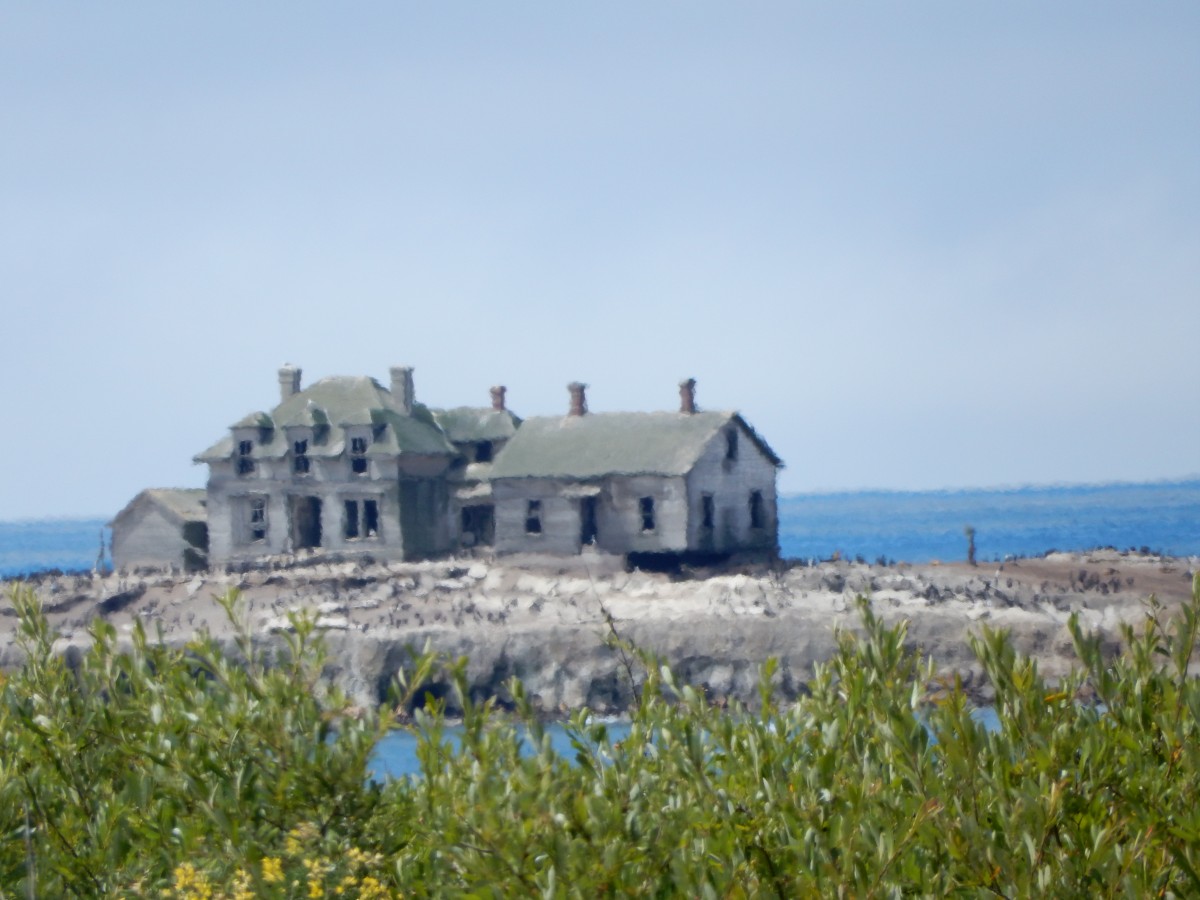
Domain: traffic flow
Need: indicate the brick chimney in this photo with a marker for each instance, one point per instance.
(498, 397)
(402, 387)
(289, 381)
(687, 396)
(578, 399)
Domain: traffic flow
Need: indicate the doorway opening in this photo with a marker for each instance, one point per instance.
(306, 522)
(588, 531)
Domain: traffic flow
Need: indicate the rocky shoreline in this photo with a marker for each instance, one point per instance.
(548, 622)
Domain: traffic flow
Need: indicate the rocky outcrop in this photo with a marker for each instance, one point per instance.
(549, 626)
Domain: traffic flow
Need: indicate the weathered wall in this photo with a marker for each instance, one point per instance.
(560, 516)
(146, 537)
(618, 515)
(621, 519)
(730, 482)
(228, 492)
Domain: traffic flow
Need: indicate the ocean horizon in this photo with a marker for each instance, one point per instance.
(873, 525)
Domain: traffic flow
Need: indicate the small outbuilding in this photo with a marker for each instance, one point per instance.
(162, 528)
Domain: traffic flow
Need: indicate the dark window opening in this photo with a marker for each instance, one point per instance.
(306, 522)
(707, 512)
(587, 519)
(300, 461)
(358, 455)
(646, 505)
(756, 509)
(258, 518)
(245, 462)
(362, 519)
(731, 444)
(483, 451)
(478, 526)
(533, 517)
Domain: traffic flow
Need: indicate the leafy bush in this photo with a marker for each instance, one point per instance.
(179, 773)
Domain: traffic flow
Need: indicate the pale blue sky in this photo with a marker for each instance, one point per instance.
(917, 245)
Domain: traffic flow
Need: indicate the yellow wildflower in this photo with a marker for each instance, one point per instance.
(272, 870)
(191, 883)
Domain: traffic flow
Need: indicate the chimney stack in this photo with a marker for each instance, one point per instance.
(289, 381)
(402, 388)
(578, 399)
(687, 396)
(498, 397)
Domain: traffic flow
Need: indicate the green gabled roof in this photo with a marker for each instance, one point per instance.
(466, 424)
(339, 400)
(599, 444)
(336, 402)
(409, 434)
(254, 420)
(222, 449)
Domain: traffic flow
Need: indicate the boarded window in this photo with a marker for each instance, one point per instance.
(245, 462)
(646, 507)
(358, 455)
(533, 517)
(300, 460)
(757, 518)
(707, 512)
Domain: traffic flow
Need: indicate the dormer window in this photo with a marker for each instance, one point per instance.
(358, 455)
(483, 451)
(301, 464)
(245, 461)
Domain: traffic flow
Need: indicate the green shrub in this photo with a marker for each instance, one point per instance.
(179, 773)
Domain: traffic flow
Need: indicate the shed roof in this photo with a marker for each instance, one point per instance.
(599, 444)
(182, 504)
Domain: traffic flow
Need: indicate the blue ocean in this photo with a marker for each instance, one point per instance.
(912, 526)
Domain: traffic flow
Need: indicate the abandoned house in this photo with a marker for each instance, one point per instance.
(687, 483)
(349, 466)
(159, 528)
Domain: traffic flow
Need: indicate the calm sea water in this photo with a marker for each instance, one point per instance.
(396, 754)
(899, 525)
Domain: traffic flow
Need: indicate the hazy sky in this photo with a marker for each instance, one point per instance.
(929, 244)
